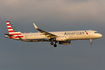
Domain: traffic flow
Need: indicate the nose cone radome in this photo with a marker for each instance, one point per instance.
(100, 35)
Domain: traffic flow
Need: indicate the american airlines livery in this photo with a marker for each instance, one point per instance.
(63, 37)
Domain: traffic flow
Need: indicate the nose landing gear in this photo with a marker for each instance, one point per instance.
(90, 41)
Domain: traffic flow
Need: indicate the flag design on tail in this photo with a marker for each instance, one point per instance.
(13, 30)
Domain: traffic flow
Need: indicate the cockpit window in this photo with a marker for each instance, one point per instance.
(95, 32)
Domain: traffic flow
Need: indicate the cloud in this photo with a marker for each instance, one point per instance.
(54, 10)
(75, 0)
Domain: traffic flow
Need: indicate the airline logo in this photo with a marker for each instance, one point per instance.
(86, 32)
(13, 30)
(75, 33)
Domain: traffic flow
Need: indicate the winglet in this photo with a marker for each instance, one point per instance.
(35, 26)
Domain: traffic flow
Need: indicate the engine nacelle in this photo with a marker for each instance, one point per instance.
(65, 42)
(61, 38)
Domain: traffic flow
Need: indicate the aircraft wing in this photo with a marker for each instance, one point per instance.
(49, 35)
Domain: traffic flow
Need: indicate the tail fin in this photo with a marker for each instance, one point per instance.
(12, 29)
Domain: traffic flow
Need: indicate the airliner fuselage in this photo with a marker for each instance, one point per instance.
(69, 35)
(63, 37)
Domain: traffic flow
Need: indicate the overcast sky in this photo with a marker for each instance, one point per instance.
(52, 15)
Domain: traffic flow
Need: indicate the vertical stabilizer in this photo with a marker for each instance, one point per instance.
(13, 30)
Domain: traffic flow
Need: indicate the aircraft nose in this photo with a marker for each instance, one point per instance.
(100, 35)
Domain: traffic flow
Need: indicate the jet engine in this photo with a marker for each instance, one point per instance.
(65, 42)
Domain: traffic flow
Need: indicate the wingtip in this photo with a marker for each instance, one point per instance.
(35, 26)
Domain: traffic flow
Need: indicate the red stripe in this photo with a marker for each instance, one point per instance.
(9, 27)
(6, 21)
(11, 37)
(19, 36)
(16, 37)
(16, 34)
(11, 31)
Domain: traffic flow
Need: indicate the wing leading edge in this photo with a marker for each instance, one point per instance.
(49, 35)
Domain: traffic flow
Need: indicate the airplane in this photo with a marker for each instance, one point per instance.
(63, 37)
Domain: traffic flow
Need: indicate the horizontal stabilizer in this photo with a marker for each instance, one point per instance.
(9, 35)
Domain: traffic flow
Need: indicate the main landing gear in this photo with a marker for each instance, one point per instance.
(51, 43)
(54, 44)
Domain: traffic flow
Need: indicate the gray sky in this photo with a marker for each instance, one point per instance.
(52, 15)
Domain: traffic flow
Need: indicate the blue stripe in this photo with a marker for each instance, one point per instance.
(13, 27)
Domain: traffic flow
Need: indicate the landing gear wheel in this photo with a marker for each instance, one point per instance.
(51, 43)
(91, 43)
(55, 45)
